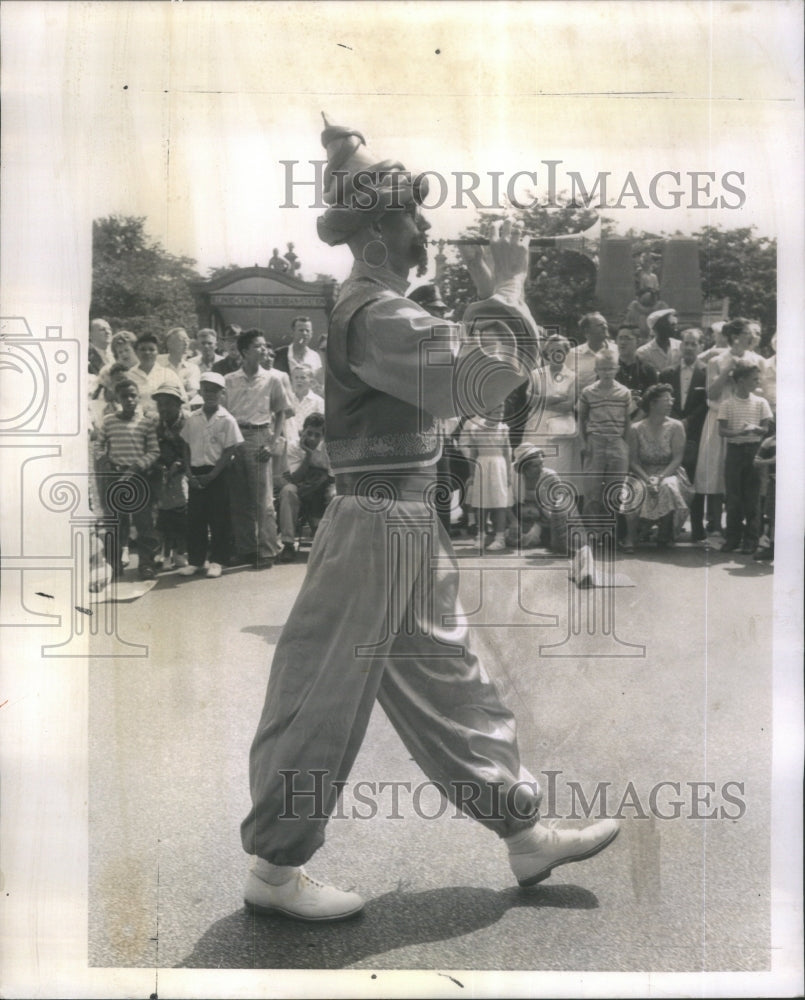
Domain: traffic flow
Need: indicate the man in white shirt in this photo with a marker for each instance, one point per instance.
(256, 399)
(207, 341)
(581, 359)
(177, 342)
(299, 352)
(663, 350)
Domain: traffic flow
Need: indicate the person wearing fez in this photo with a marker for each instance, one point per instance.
(393, 373)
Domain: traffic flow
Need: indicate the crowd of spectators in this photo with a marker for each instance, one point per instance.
(216, 448)
(645, 431)
(653, 429)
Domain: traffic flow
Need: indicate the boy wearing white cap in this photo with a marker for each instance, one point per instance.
(211, 437)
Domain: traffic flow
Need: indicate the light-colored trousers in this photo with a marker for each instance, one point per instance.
(369, 623)
(254, 522)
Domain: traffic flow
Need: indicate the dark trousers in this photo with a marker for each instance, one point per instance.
(208, 514)
(130, 499)
(742, 480)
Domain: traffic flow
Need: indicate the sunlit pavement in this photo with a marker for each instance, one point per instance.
(665, 681)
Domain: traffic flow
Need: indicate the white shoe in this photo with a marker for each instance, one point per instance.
(180, 561)
(549, 848)
(497, 545)
(125, 558)
(214, 570)
(188, 570)
(301, 898)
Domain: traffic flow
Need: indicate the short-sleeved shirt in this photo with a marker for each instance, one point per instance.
(654, 355)
(149, 382)
(129, 442)
(188, 371)
(737, 412)
(309, 403)
(255, 399)
(609, 409)
(309, 358)
(209, 437)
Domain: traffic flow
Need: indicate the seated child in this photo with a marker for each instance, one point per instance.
(542, 503)
(307, 487)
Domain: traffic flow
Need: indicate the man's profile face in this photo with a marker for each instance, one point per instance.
(597, 330)
(256, 351)
(404, 234)
(302, 333)
(100, 334)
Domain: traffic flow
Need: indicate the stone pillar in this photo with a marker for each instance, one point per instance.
(681, 285)
(614, 286)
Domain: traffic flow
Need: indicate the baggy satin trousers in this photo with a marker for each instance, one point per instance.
(374, 620)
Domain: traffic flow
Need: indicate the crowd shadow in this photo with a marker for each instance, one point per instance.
(244, 940)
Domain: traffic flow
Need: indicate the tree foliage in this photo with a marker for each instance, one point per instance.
(136, 284)
(561, 286)
(743, 267)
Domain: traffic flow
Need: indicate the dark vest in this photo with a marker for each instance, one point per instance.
(367, 429)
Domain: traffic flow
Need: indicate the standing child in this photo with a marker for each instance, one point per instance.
(127, 448)
(604, 424)
(172, 485)
(743, 419)
(211, 437)
(485, 441)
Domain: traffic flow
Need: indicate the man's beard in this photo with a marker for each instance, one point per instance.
(419, 257)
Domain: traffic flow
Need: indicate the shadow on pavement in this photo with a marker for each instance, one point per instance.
(244, 940)
(270, 633)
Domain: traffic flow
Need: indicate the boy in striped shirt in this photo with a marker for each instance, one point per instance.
(743, 419)
(126, 451)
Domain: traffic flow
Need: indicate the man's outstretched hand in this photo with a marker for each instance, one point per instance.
(499, 267)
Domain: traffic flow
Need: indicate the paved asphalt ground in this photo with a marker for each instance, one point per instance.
(169, 739)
